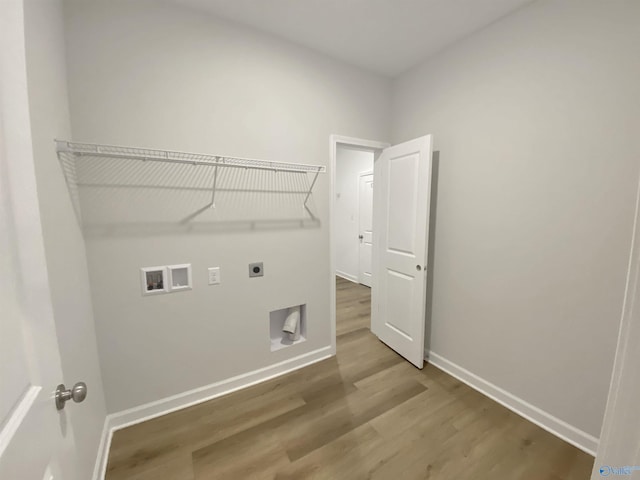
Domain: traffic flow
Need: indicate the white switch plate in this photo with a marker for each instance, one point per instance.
(214, 276)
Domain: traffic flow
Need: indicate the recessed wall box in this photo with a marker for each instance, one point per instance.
(280, 339)
(154, 280)
(179, 277)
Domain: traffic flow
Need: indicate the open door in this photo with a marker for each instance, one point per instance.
(35, 439)
(400, 244)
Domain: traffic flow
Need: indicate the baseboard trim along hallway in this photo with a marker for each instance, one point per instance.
(570, 434)
(142, 413)
(347, 276)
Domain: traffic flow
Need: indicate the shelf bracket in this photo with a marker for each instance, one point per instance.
(213, 191)
(62, 146)
(306, 199)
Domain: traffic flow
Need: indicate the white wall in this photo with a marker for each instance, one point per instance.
(63, 242)
(350, 162)
(149, 74)
(535, 119)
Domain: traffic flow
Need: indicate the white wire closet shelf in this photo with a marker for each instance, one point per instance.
(95, 152)
(147, 154)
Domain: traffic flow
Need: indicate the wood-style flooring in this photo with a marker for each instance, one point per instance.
(364, 414)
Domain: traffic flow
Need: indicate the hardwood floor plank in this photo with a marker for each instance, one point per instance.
(204, 430)
(345, 457)
(174, 462)
(333, 426)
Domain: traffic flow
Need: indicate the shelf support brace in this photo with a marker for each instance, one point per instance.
(306, 199)
(213, 192)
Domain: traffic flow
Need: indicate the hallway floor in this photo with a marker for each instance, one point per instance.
(364, 414)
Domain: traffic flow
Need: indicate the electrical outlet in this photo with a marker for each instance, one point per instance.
(256, 269)
(214, 276)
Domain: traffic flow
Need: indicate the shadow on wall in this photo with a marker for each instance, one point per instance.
(120, 197)
(433, 208)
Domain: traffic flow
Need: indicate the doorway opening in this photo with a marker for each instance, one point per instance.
(353, 213)
(352, 165)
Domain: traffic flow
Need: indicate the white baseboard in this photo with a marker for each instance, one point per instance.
(576, 437)
(142, 413)
(347, 276)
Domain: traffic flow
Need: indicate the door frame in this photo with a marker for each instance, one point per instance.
(360, 175)
(617, 439)
(334, 141)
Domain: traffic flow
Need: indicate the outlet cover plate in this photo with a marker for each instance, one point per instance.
(256, 269)
(214, 276)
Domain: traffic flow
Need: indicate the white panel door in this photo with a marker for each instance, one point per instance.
(36, 442)
(400, 241)
(365, 228)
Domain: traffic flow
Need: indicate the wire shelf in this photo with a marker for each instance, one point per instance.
(88, 165)
(147, 154)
